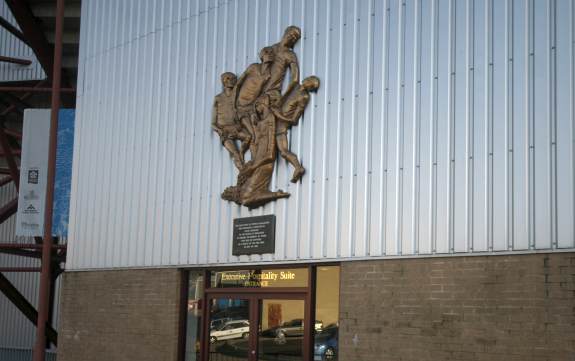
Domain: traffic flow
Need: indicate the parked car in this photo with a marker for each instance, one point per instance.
(290, 328)
(325, 346)
(231, 330)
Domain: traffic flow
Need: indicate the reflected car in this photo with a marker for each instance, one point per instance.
(231, 330)
(325, 345)
(292, 328)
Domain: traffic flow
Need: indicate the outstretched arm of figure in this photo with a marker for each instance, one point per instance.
(294, 75)
(280, 116)
(215, 117)
(241, 80)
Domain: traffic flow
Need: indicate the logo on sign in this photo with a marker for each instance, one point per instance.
(31, 210)
(33, 175)
(30, 196)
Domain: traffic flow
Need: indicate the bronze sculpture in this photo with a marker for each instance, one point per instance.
(253, 110)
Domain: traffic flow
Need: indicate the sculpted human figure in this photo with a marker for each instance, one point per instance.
(291, 108)
(284, 58)
(255, 110)
(224, 120)
(250, 86)
(252, 189)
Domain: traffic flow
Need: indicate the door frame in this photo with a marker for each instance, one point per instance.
(307, 294)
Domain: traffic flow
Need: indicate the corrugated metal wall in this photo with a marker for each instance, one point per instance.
(13, 47)
(441, 126)
(17, 334)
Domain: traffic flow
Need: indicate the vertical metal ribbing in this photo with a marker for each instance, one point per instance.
(211, 81)
(400, 128)
(572, 109)
(327, 107)
(416, 191)
(368, 132)
(470, 126)
(143, 165)
(451, 109)
(433, 128)
(489, 137)
(353, 165)
(530, 103)
(339, 130)
(384, 128)
(312, 224)
(193, 246)
(510, 209)
(552, 11)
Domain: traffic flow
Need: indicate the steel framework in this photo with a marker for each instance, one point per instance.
(46, 249)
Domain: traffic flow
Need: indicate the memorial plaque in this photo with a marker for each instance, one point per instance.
(254, 235)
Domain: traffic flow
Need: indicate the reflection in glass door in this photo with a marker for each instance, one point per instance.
(281, 330)
(229, 324)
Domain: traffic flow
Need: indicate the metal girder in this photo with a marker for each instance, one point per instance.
(33, 33)
(5, 181)
(12, 293)
(32, 89)
(20, 269)
(19, 61)
(28, 246)
(8, 209)
(12, 166)
(13, 107)
(22, 252)
(12, 29)
(45, 279)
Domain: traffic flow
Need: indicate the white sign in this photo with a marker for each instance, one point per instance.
(33, 173)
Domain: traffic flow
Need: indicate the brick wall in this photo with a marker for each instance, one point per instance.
(510, 308)
(119, 315)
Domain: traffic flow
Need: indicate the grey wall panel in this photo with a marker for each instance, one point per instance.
(441, 127)
(13, 47)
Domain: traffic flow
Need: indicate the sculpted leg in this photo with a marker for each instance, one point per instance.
(290, 157)
(236, 156)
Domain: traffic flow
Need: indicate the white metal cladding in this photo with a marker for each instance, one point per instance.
(16, 331)
(13, 47)
(441, 127)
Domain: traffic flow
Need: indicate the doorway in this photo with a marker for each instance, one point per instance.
(279, 314)
(257, 327)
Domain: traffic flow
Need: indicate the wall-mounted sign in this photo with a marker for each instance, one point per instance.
(254, 235)
(34, 173)
(288, 277)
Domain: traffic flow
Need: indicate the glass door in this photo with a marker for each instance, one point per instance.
(229, 329)
(256, 327)
(281, 330)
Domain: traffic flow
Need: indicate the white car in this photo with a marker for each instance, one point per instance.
(231, 329)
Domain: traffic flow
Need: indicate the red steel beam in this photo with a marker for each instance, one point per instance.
(12, 293)
(45, 279)
(19, 61)
(13, 133)
(28, 246)
(5, 181)
(12, 166)
(13, 151)
(34, 90)
(8, 209)
(22, 252)
(12, 29)
(20, 269)
(13, 107)
(33, 33)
